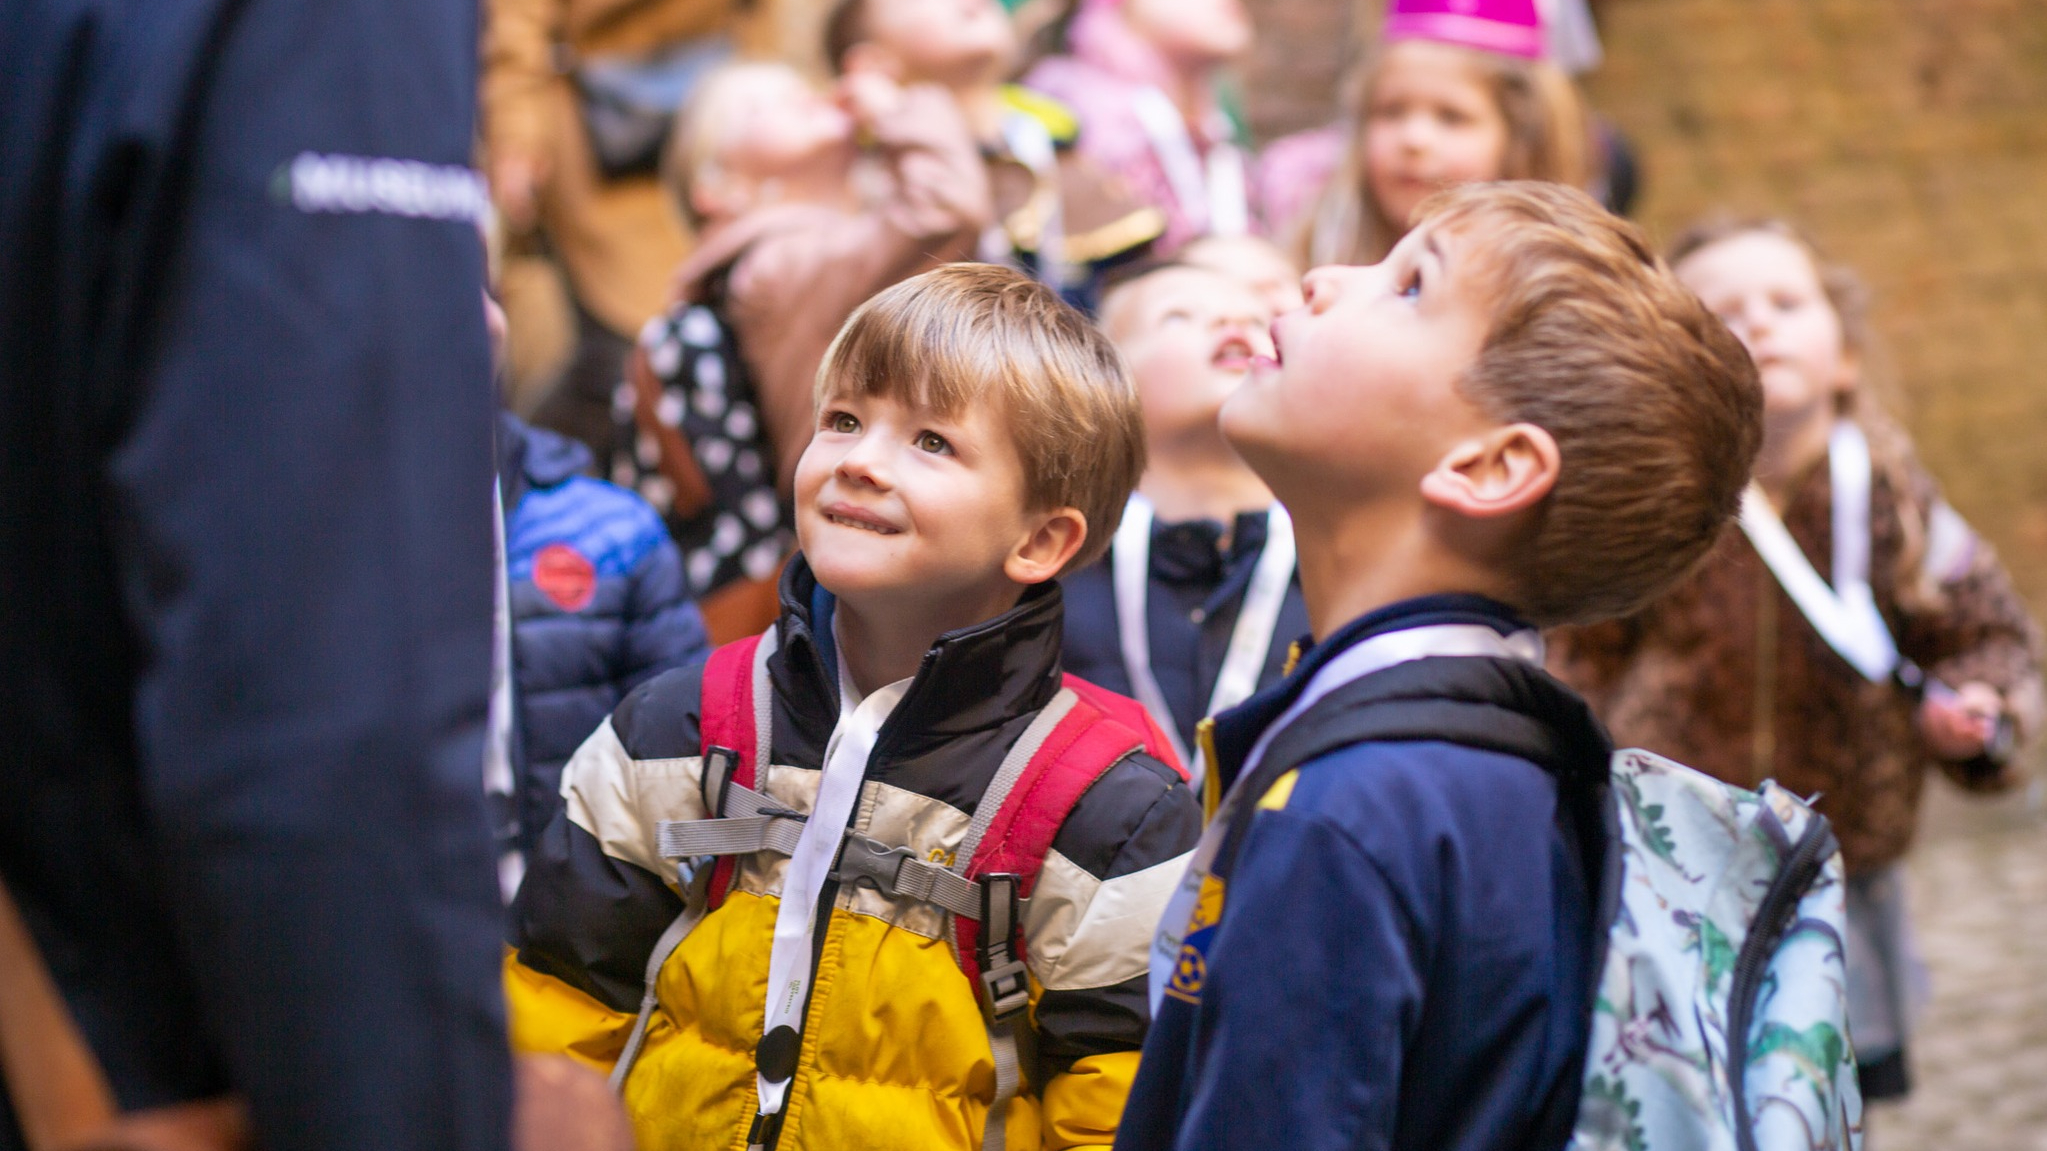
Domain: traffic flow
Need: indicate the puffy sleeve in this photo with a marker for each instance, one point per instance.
(1088, 932)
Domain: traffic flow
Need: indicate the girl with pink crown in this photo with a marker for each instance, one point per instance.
(1459, 91)
(1141, 75)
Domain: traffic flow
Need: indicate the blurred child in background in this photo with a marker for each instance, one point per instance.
(1058, 215)
(593, 604)
(1458, 93)
(1854, 633)
(1142, 76)
(1255, 261)
(1197, 602)
(796, 232)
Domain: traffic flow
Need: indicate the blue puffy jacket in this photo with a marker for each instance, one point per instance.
(598, 603)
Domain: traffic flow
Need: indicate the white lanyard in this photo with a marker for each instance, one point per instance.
(1844, 614)
(1213, 195)
(1367, 656)
(1031, 143)
(845, 766)
(1250, 640)
(497, 732)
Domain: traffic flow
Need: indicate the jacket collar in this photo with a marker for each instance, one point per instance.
(530, 457)
(1238, 728)
(973, 679)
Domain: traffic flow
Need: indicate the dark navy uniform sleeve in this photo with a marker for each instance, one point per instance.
(266, 378)
(1318, 1016)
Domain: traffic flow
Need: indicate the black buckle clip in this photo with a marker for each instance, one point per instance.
(719, 764)
(869, 863)
(1005, 982)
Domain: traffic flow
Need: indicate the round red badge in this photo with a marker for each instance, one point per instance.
(563, 575)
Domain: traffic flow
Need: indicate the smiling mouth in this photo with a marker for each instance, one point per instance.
(846, 521)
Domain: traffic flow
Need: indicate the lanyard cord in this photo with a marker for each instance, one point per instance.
(1360, 660)
(790, 958)
(1250, 639)
(1844, 614)
(1212, 194)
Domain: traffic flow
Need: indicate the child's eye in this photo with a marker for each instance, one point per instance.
(934, 443)
(842, 422)
(1412, 289)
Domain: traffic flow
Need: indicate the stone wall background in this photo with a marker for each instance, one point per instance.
(1909, 135)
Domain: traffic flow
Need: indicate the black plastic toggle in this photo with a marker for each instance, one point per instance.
(775, 1055)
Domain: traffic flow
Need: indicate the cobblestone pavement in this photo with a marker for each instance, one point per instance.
(1978, 891)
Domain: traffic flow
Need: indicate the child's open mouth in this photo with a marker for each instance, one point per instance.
(1234, 355)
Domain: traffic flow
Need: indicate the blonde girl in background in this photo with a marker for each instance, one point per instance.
(1456, 93)
(1854, 632)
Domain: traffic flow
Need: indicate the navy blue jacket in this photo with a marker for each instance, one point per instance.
(1191, 605)
(598, 601)
(1404, 956)
(245, 556)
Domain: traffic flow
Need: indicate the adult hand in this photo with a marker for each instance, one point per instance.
(1958, 725)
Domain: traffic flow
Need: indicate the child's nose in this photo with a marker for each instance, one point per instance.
(865, 461)
(1321, 286)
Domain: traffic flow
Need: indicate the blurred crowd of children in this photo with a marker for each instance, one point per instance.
(1850, 635)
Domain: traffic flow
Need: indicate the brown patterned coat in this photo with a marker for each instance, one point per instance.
(1726, 675)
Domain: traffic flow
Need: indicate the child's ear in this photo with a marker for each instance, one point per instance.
(1508, 469)
(1046, 551)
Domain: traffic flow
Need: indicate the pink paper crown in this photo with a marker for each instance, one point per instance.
(1509, 27)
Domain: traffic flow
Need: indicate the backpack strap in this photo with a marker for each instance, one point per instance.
(1072, 743)
(732, 693)
(1133, 715)
(736, 720)
(1068, 745)
(1440, 700)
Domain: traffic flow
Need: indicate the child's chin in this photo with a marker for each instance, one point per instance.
(846, 576)
(1244, 418)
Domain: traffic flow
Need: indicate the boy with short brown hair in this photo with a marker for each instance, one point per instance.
(880, 877)
(1519, 418)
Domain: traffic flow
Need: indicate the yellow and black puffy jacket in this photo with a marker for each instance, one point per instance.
(895, 1052)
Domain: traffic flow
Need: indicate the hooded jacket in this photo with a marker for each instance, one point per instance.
(597, 598)
(1403, 945)
(894, 1051)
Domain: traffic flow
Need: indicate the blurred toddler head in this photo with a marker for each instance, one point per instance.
(1190, 335)
(756, 133)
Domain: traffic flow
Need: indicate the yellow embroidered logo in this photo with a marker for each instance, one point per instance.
(940, 856)
(1188, 975)
(1190, 970)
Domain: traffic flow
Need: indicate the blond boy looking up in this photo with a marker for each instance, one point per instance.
(974, 438)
